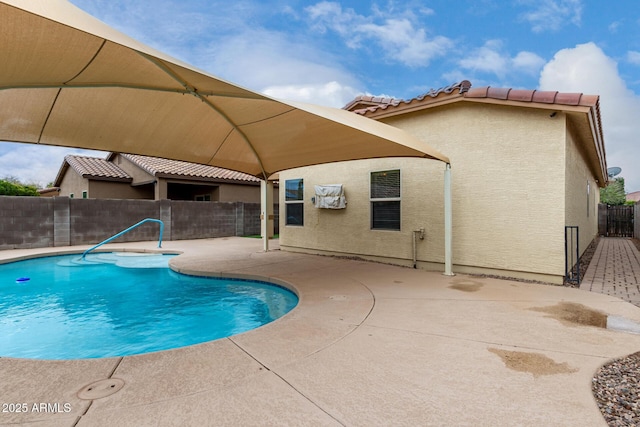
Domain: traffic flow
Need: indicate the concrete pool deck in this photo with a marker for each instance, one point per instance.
(369, 344)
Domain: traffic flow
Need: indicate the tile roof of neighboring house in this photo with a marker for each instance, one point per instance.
(635, 196)
(93, 168)
(163, 167)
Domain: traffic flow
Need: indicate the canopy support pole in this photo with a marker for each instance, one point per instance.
(266, 212)
(448, 222)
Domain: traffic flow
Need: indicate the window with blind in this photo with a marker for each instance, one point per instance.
(294, 201)
(385, 200)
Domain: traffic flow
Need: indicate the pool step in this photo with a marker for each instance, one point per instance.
(121, 259)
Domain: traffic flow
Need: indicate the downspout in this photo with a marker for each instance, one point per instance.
(448, 222)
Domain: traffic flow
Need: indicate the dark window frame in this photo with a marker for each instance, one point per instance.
(387, 198)
(294, 202)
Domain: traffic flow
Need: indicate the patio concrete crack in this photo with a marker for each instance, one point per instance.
(288, 383)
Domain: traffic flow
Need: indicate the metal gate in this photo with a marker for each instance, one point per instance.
(571, 254)
(619, 221)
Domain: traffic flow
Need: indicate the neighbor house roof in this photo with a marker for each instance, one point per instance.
(92, 168)
(583, 110)
(633, 197)
(174, 168)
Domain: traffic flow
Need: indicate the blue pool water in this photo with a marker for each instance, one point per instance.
(122, 304)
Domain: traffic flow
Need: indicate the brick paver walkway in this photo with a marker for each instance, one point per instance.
(615, 270)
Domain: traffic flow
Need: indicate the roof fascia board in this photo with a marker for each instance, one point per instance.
(599, 142)
(412, 107)
(538, 105)
(105, 178)
(61, 173)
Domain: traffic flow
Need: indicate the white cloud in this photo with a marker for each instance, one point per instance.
(261, 60)
(587, 69)
(633, 57)
(332, 94)
(614, 26)
(396, 34)
(37, 164)
(492, 59)
(551, 15)
(527, 62)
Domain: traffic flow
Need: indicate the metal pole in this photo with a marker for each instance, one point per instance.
(264, 215)
(266, 212)
(448, 223)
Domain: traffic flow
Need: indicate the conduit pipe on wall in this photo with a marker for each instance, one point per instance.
(417, 234)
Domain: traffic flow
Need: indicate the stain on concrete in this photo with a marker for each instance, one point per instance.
(536, 364)
(574, 314)
(466, 285)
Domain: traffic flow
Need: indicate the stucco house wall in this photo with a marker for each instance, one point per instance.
(117, 190)
(582, 194)
(241, 193)
(503, 159)
(139, 175)
(72, 183)
(509, 194)
(347, 231)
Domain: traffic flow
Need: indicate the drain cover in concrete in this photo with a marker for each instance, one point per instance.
(100, 389)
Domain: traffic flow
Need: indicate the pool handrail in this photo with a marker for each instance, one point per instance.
(115, 236)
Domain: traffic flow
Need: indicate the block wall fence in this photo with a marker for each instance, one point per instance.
(36, 222)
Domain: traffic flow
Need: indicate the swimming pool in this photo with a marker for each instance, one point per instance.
(120, 304)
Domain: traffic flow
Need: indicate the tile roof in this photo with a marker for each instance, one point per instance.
(635, 196)
(157, 166)
(96, 168)
(369, 104)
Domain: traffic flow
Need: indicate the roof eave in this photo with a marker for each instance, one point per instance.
(61, 173)
(411, 107)
(204, 179)
(106, 178)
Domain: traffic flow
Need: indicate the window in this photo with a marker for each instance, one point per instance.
(385, 200)
(85, 194)
(71, 195)
(294, 201)
(203, 198)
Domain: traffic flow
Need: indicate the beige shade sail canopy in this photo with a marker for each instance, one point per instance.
(68, 79)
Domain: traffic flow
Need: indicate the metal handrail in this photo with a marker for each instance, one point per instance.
(115, 236)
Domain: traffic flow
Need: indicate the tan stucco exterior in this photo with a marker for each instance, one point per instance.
(517, 179)
(73, 184)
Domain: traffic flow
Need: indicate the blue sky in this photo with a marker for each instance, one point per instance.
(328, 52)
